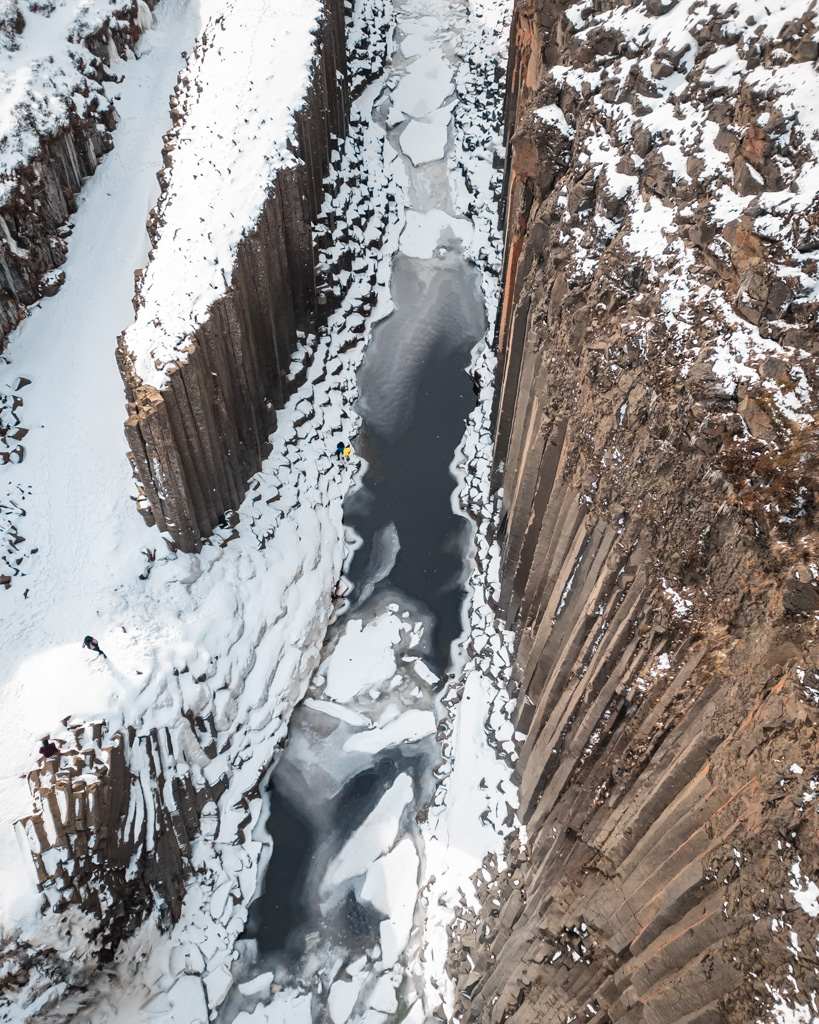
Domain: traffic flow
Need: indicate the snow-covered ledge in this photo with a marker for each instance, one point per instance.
(55, 123)
(229, 295)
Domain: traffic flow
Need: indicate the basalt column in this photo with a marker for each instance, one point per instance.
(38, 195)
(658, 541)
(196, 440)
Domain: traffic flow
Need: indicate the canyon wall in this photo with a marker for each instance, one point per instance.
(39, 180)
(110, 833)
(656, 464)
(197, 438)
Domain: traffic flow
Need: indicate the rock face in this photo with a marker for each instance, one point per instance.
(38, 193)
(126, 842)
(197, 439)
(110, 835)
(657, 452)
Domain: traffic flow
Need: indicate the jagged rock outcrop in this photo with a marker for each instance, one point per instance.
(126, 842)
(198, 437)
(110, 835)
(657, 449)
(38, 183)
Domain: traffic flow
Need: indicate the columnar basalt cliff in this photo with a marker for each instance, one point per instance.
(657, 452)
(54, 147)
(109, 841)
(197, 437)
(110, 835)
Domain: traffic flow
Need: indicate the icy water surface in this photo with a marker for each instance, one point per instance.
(338, 916)
(415, 398)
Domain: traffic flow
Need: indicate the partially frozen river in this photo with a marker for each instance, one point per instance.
(338, 915)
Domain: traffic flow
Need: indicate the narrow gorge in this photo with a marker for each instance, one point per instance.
(456, 570)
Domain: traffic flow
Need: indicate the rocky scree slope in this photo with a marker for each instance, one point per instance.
(656, 445)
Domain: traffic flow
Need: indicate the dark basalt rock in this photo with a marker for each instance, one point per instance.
(196, 441)
(42, 197)
(658, 558)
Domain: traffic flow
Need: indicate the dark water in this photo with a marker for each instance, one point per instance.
(415, 398)
(362, 793)
(311, 817)
(273, 923)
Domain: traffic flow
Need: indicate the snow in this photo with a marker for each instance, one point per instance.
(339, 711)
(423, 142)
(553, 115)
(258, 985)
(237, 133)
(363, 657)
(786, 1012)
(46, 73)
(374, 837)
(407, 728)
(236, 632)
(75, 447)
(217, 985)
(383, 996)
(805, 891)
(342, 999)
(188, 1001)
(426, 230)
(286, 1007)
(427, 84)
(211, 633)
(392, 888)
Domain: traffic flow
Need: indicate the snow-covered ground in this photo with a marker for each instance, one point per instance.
(79, 515)
(47, 72)
(236, 632)
(237, 132)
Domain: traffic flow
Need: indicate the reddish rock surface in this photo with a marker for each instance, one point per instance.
(656, 446)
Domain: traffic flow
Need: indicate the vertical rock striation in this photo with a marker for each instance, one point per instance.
(657, 451)
(112, 842)
(112, 824)
(52, 146)
(198, 436)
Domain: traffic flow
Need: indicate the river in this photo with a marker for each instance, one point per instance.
(337, 915)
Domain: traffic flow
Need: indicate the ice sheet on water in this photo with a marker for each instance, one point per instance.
(382, 997)
(188, 1001)
(287, 1007)
(425, 87)
(364, 656)
(427, 231)
(339, 711)
(384, 551)
(374, 838)
(407, 728)
(342, 998)
(423, 142)
(391, 887)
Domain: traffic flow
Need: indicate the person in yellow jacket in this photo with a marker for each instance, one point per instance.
(347, 451)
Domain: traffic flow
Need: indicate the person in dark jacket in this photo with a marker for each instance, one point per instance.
(339, 449)
(93, 645)
(49, 748)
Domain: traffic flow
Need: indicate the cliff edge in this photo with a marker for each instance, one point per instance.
(656, 464)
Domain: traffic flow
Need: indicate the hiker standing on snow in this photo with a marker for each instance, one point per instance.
(346, 451)
(93, 645)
